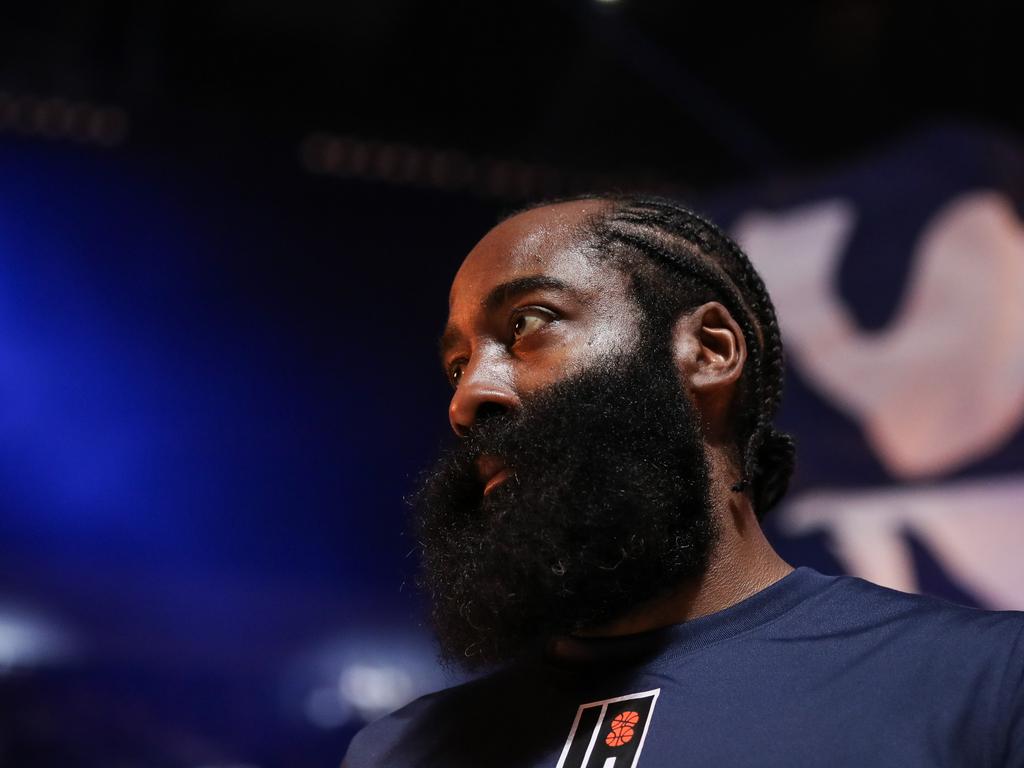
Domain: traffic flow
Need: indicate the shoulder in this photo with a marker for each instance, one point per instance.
(422, 728)
(847, 604)
(846, 599)
(852, 621)
(917, 634)
(394, 738)
(933, 658)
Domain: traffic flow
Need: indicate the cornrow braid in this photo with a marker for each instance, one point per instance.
(712, 266)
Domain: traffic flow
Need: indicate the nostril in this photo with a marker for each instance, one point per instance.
(489, 410)
(476, 401)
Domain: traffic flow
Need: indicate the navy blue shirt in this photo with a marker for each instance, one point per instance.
(813, 671)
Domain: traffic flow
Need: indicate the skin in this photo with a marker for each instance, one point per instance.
(528, 307)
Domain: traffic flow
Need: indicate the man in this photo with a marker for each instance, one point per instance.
(593, 541)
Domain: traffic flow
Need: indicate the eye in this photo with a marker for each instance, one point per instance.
(529, 320)
(455, 371)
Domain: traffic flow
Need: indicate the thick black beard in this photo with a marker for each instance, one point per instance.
(608, 506)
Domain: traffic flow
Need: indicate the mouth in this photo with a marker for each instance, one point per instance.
(492, 471)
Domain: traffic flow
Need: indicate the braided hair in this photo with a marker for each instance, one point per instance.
(678, 260)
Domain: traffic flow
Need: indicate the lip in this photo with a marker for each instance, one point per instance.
(492, 471)
(497, 479)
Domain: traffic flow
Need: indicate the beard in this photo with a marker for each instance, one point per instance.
(607, 506)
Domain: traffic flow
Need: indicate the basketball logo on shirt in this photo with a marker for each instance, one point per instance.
(609, 733)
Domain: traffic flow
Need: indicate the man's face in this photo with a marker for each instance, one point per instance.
(528, 307)
(579, 487)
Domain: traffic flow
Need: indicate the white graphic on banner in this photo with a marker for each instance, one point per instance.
(943, 384)
(972, 527)
(940, 387)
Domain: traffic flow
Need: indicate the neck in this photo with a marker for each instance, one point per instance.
(742, 563)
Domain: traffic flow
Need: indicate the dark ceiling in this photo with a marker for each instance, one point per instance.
(698, 93)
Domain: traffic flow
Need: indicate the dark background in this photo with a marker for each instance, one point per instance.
(226, 235)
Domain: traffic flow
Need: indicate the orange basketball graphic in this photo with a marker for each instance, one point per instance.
(622, 729)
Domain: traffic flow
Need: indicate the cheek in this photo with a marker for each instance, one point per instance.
(614, 330)
(612, 335)
(575, 350)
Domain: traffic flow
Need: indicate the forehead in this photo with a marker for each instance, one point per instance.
(543, 241)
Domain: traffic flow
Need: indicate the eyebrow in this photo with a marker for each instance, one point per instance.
(502, 294)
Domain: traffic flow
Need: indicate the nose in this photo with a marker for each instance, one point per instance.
(484, 390)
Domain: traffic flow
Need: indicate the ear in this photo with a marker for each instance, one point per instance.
(709, 352)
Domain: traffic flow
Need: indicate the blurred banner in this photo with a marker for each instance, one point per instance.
(899, 286)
